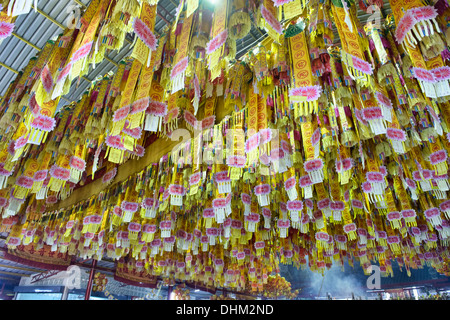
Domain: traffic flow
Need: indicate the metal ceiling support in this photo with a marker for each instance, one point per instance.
(247, 48)
(104, 269)
(86, 79)
(36, 48)
(172, 2)
(49, 18)
(17, 268)
(62, 27)
(164, 19)
(26, 41)
(9, 68)
(111, 61)
(64, 98)
(253, 36)
(165, 15)
(91, 280)
(257, 28)
(83, 6)
(14, 274)
(44, 275)
(65, 293)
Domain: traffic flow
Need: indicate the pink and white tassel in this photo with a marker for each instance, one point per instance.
(262, 193)
(374, 116)
(178, 75)
(295, 207)
(314, 168)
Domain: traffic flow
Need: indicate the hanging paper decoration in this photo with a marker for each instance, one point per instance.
(123, 109)
(305, 151)
(305, 93)
(156, 110)
(77, 164)
(270, 19)
(414, 19)
(181, 60)
(109, 175)
(143, 29)
(218, 37)
(42, 123)
(6, 29)
(239, 23)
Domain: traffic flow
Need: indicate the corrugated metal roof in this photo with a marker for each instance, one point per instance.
(31, 32)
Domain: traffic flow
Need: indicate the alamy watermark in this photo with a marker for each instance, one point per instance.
(71, 277)
(231, 147)
(374, 280)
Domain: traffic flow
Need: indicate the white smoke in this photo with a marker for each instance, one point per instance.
(337, 284)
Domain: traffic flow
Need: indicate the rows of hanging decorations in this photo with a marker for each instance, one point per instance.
(336, 149)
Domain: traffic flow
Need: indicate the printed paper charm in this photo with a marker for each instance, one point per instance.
(222, 207)
(176, 194)
(251, 220)
(271, 20)
(439, 160)
(397, 138)
(290, 186)
(409, 215)
(109, 176)
(314, 169)
(177, 75)
(247, 201)
(217, 42)
(77, 167)
(223, 182)
(4, 175)
(262, 192)
(295, 207)
(267, 215)
(150, 205)
(59, 176)
(146, 35)
(283, 226)
(337, 207)
(385, 104)
(154, 116)
(307, 97)
(415, 24)
(374, 116)
(41, 126)
(433, 215)
(306, 183)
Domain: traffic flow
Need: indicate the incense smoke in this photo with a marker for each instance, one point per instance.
(336, 283)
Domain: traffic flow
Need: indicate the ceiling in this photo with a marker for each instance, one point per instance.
(30, 35)
(34, 29)
(46, 22)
